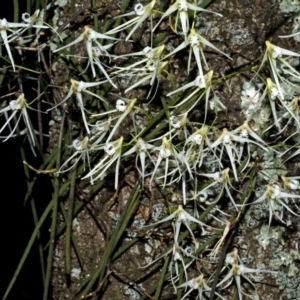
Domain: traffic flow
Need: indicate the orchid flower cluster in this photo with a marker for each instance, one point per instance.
(238, 271)
(205, 160)
(13, 31)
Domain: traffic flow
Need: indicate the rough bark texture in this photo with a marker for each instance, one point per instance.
(240, 33)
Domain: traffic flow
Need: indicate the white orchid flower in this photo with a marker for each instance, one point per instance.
(145, 52)
(120, 107)
(291, 183)
(203, 83)
(99, 131)
(237, 270)
(151, 71)
(82, 149)
(31, 20)
(273, 92)
(142, 149)
(196, 42)
(273, 55)
(199, 284)
(77, 87)
(216, 104)
(6, 26)
(178, 124)
(241, 135)
(150, 54)
(293, 112)
(182, 7)
(142, 13)
(113, 151)
(15, 106)
(222, 178)
(178, 162)
(273, 195)
(179, 255)
(244, 131)
(227, 139)
(125, 109)
(166, 151)
(97, 52)
(194, 146)
(124, 106)
(181, 216)
(89, 36)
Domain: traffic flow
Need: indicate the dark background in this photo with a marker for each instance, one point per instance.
(16, 220)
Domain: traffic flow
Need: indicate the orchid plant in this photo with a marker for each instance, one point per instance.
(124, 106)
(219, 178)
(82, 149)
(199, 284)
(203, 84)
(181, 216)
(196, 42)
(142, 13)
(113, 151)
(90, 37)
(166, 151)
(77, 87)
(274, 55)
(182, 7)
(227, 139)
(9, 27)
(277, 201)
(179, 255)
(274, 92)
(15, 106)
(239, 270)
(142, 149)
(175, 145)
(97, 53)
(194, 146)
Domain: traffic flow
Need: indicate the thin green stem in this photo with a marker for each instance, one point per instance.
(95, 17)
(34, 214)
(129, 210)
(28, 248)
(161, 279)
(69, 222)
(74, 243)
(54, 214)
(16, 11)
